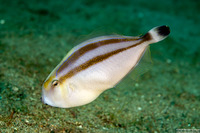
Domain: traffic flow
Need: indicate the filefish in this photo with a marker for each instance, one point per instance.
(96, 65)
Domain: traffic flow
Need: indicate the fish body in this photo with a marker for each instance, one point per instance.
(95, 66)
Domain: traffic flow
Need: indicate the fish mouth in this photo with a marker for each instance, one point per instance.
(44, 99)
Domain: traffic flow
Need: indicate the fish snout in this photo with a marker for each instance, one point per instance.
(42, 100)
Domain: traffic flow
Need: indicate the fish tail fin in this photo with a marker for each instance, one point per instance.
(157, 33)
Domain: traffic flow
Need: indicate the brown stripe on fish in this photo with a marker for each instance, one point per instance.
(147, 36)
(77, 54)
(100, 58)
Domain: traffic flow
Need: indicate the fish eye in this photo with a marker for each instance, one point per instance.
(55, 82)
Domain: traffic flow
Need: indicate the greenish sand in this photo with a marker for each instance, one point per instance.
(36, 35)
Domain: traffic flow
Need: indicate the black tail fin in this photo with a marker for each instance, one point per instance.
(158, 33)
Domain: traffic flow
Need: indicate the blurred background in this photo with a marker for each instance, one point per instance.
(35, 35)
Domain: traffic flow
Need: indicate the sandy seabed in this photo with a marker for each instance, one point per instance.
(36, 35)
